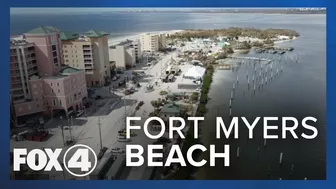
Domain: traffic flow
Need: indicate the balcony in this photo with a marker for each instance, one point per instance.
(87, 47)
(15, 74)
(30, 51)
(31, 65)
(89, 71)
(13, 60)
(88, 57)
(17, 93)
(16, 86)
(15, 89)
(88, 66)
(15, 81)
(30, 58)
(32, 71)
(87, 52)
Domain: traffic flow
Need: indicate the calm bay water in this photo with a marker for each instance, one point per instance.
(299, 91)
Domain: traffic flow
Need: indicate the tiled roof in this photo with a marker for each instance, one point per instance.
(43, 30)
(68, 36)
(95, 33)
(171, 108)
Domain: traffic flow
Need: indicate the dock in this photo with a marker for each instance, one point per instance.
(251, 58)
(224, 66)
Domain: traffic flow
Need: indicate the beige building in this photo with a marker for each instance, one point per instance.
(152, 42)
(123, 54)
(137, 47)
(90, 53)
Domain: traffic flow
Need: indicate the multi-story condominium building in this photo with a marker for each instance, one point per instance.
(152, 42)
(137, 47)
(39, 84)
(90, 53)
(123, 54)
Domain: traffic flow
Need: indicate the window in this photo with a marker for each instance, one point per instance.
(55, 60)
(37, 106)
(58, 91)
(60, 102)
(53, 47)
(54, 102)
(50, 84)
(54, 54)
(57, 84)
(65, 56)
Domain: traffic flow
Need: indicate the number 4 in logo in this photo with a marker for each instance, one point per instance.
(80, 160)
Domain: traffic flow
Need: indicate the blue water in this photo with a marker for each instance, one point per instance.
(299, 91)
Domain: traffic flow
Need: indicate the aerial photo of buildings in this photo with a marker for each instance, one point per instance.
(76, 73)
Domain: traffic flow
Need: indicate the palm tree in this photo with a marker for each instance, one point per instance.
(155, 104)
(163, 93)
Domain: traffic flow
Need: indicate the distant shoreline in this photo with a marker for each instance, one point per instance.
(229, 12)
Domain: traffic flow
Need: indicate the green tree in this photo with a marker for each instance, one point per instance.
(228, 49)
(155, 104)
(194, 96)
(163, 93)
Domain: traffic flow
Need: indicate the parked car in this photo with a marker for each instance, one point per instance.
(98, 97)
(141, 103)
(101, 153)
(117, 151)
(79, 113)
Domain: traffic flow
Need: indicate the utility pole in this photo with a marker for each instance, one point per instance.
(125, 106)
(100, 137)
(70, 127)
(63, 171)
(62, 131)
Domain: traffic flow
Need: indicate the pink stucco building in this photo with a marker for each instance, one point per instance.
(39, 82)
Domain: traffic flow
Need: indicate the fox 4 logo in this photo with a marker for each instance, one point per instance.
(47, 159)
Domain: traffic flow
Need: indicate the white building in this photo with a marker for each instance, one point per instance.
(152, 42)
(195, 72)
(123, 54)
